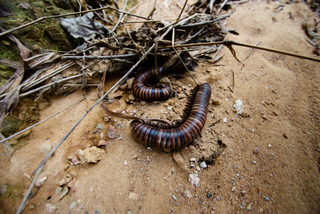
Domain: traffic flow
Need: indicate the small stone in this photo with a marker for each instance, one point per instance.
(106, 118)
(269, 145)
(64, 192)
(191, 147)
(193, 159)
(216, 102)
(249, 207)
(40, 181)
(93, 154)
(125, 163)
(203, 165)
(256, 150)
(233, 188)
(35, 47)
(58, 190)
(181, 96)
(133, 196)
(64, 180)
(115, 95)
(32, 206)
(102, 143)
(111, 132)
(174, 197)
(132, 97)
(99, 126)
(285, 135)
(209, 195)
(129, 83)
(179, 90)
(266, 198)
(50, 208)
(194, 180)
(124, 87)
(243, 192)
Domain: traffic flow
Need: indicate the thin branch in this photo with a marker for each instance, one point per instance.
(184, 6)
(207, 22)
(99, 57)
(27, 195)
(120, 17)
(63, 15)
(231, 42)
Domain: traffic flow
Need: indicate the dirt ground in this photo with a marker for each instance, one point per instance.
(281, 118)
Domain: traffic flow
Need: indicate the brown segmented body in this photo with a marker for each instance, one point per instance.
(184, 133)
(150, 93)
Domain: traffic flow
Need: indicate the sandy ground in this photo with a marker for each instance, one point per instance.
(280, 96)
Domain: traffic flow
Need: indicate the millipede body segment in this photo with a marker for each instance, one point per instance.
(185, 132)
(141, 89)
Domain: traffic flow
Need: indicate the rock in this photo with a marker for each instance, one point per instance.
(40, 181)
(179, 90)
(58, 190)
(64, 192)
(115, 95)
(99, 126)
(35, 47)
(124, 87)
(93, 154)
(256, 150)
(216, 102)
(10, 125)
(266, 198)
(285, 135)
(129, 83)
(269, 145)
(174, 197)
(233, 188)
(249, 207)
(133, 196)
(203, 165)
(102, 143)
(111, 132)
(50, 208)
(194, 180)
(32, 206)
(209, 195)
(80, 154)
(27, 176)
(131, 97)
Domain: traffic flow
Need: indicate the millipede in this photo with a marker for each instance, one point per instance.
(142, 89)
(184, 132)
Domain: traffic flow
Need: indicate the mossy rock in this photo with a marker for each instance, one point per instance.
(10, 125)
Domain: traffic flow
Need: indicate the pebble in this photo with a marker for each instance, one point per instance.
(233, 188)
(269, 145)
(129, 83)
(256, 150)
(225, 120)
(179, 90)
(124, 87)
(102, 143)
(99, 126)
(203, 165)
(249, 207)
(266, 198)
(125, 163)
(32, 207)
(132, 97)
(194, 180)
(58, 190)
(35, 47)
(40, 181)
(285, 135)
(45, 148)
(174, 197)
(27, 176)
(93, 154)
(64, 192)
(111, 132)
(64, 180)
(209, 195)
